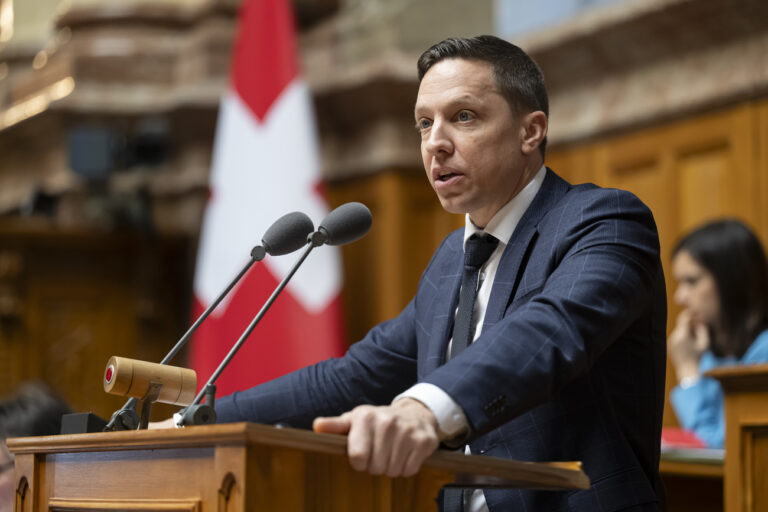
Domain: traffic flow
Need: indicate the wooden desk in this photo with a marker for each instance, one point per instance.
(692, 486)
(746, 436)
(243, 466)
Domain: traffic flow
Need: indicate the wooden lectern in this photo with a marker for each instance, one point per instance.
(244, 466)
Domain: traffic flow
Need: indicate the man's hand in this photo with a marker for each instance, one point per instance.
(393, 440)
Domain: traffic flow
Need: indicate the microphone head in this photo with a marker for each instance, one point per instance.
(287, 234)
(345, 224)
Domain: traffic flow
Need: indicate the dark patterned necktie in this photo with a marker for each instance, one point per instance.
(477, 250)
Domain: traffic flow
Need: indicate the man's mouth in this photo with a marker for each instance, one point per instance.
(444, 175)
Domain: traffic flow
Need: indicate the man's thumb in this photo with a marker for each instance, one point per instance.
(334, 425)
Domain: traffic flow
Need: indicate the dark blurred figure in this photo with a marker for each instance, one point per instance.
(722, 276)
(34, 410)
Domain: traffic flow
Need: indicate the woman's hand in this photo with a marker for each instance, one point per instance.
(686, 343)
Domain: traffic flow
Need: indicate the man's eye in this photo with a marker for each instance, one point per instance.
(423, 124)
(464, 116)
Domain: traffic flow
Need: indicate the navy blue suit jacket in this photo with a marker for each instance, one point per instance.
(569, 366)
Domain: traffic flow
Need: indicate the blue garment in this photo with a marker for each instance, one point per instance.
(570, 364)
(699, 407)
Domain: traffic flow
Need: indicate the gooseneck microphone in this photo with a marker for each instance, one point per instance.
(287, 234)
(347, 223)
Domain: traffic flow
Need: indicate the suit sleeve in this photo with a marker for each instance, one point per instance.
(373, 371)
(604, 273)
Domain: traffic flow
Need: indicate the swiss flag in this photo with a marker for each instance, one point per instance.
(265, 164)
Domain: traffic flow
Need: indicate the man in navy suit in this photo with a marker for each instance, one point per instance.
(566, 347)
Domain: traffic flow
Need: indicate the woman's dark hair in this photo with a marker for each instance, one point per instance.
(731, 252)
(519, 79)
(34, 410)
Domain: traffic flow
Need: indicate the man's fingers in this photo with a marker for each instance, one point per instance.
(385, 442)
(405, 434)
(332, 425)
(360, 439)
(391, 440)
(401, 448)
(424, 447)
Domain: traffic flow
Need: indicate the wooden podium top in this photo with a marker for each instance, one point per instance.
(750, 377)
(470, 470)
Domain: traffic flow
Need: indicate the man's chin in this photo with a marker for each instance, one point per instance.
(450, 205)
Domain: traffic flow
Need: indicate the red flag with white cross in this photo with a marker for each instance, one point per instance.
(265, 164)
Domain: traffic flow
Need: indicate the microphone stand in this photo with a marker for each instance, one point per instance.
(126, 417)
(203, 414)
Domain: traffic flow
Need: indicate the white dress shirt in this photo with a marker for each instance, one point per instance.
(450, 417)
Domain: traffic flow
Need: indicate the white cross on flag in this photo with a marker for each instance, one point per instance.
(265, 164)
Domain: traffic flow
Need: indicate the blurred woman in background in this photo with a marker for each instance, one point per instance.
(722, 277)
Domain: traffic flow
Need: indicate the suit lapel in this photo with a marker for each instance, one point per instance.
(509, 272)
(445, 306)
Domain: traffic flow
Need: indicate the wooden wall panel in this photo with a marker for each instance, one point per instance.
(575, 164)
(368, 282)
(84, 297)
(715, 167)
(13, 367)
(76, 324)
(760, 123)
(757, 458)
(702, 175)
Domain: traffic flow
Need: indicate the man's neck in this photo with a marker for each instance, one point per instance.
(503, 222)
(526, 176)
(530, 170)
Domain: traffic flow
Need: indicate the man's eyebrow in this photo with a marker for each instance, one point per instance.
(453, 102)
(464, 98)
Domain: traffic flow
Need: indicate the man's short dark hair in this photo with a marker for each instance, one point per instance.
(518, 77)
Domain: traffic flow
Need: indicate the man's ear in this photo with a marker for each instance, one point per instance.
(533, 130)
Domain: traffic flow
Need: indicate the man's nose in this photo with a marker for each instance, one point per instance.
(439, 140)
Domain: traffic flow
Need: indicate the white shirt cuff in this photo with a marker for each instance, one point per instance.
(450, 417)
